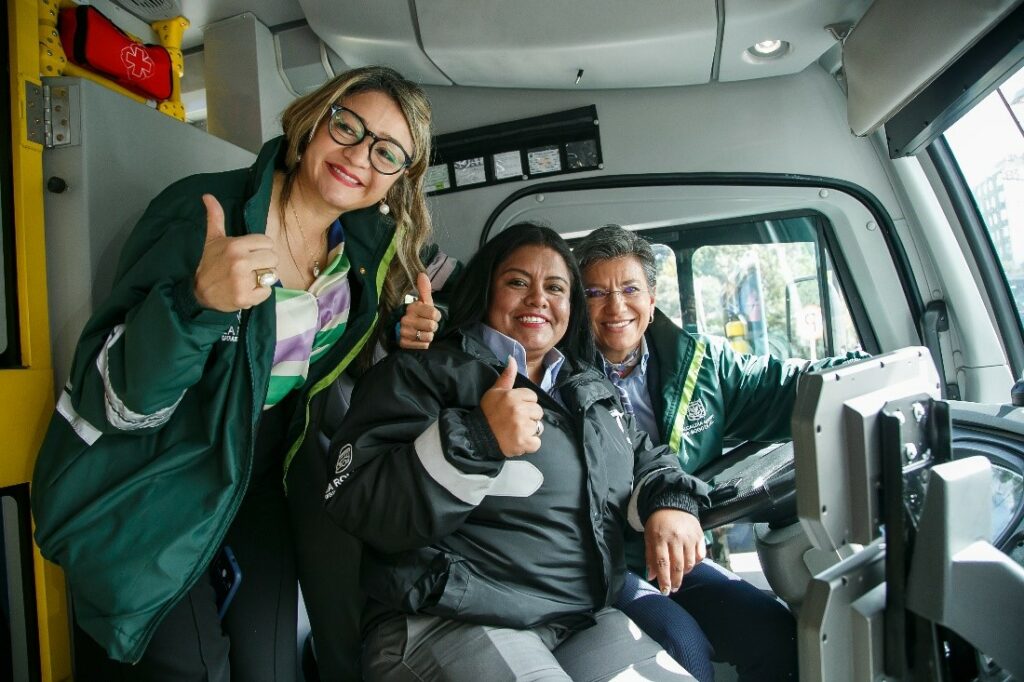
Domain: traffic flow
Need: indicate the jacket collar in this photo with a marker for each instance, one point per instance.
(261, 183)
(580, 385)
(504, 346)
(671, 350)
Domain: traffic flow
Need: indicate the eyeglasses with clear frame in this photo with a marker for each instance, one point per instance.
(348, 129)
(597, 295)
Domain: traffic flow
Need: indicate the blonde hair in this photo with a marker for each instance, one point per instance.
(405, 198)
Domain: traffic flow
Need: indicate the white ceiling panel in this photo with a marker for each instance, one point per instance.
(379, 32)
(201, 13)
(799, 22)
(543, 44)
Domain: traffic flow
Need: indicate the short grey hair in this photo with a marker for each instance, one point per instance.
(614, 241)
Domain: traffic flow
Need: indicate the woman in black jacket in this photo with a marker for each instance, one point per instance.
(491, 477)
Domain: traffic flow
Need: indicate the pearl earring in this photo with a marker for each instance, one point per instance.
(384, 208)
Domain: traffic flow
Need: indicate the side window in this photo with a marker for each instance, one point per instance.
(988, 145)
(666, 293)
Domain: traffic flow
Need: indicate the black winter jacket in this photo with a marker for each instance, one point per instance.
(453, 528)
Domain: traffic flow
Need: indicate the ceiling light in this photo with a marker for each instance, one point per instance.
(766, 50)
(767, 47)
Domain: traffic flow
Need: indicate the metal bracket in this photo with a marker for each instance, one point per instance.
(57, 115)
(35, 108)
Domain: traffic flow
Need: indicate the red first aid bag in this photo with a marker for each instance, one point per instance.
(92, 41)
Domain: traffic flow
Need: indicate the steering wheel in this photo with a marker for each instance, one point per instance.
(754, 487)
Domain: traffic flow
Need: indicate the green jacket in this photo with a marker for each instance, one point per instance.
(149, 453)
(704, 392)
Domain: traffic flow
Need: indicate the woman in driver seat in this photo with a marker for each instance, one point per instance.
(691, 392)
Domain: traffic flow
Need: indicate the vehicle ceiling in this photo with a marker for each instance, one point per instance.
(544, 44)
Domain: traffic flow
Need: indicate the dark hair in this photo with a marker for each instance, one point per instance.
(614, 241)
(472, 299)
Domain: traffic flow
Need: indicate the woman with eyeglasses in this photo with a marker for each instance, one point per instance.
(690, 392)
(238, 297)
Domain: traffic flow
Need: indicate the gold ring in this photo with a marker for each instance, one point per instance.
(265, 278)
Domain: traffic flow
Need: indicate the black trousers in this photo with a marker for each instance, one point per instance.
(256, 641)
(328, 557)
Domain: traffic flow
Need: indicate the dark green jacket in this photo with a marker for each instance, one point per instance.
(704, 392)
(148, 456)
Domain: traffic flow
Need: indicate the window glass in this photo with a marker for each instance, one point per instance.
(765, 296)
(988, 143)
(666, 293)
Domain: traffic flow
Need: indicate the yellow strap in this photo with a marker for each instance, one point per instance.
(675, 440)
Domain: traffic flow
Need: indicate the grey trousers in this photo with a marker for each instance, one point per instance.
(433, 649)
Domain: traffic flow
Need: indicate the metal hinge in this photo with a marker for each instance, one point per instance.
(58, 115)
(48, 114)
(34, 113)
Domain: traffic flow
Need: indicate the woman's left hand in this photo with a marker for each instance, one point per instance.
(674, 545)
(417, 326)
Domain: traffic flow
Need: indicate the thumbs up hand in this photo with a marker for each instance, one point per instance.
(421, 317)
(227, 278)
(513, 414)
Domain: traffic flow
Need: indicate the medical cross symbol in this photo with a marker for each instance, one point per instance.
(137, 63)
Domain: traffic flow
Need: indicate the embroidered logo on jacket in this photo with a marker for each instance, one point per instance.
(344, 459)
(698, 418)
(343, 462)
(696, 411)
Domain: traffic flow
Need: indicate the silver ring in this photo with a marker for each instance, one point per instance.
(540, 429)
(417, 334)
(265, 278)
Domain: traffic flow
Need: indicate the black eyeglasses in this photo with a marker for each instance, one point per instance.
(596, 295)
(348, 129)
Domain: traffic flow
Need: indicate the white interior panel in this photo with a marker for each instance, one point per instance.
(381, 32)
(801, 23)
(202, 13)
(246, 92)
(790, 124)
(900, 46)
(543, 44)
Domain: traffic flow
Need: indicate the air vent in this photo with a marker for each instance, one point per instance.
(151, 10)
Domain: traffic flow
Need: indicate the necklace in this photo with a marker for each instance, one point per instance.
(288, 242)
(309, 252)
